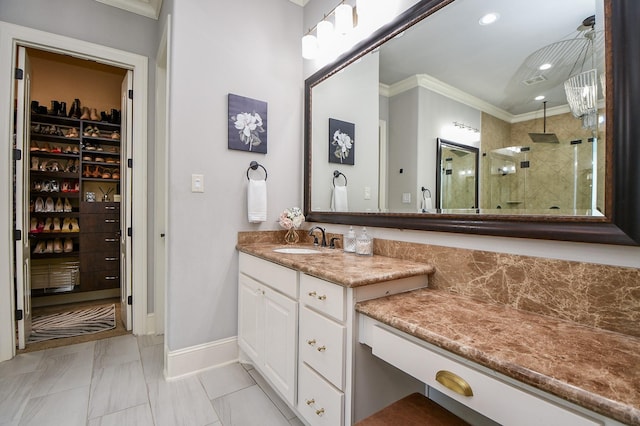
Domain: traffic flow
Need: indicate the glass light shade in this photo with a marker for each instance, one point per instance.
(344, 18)
(309, 46)
(582, 93)
(324, 29)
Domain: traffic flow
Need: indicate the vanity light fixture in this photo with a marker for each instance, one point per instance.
(489, 18)
(324, 39)
(344, 18)
(466, 127)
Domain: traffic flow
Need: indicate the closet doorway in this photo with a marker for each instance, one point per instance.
(131, 184)
(70, 188)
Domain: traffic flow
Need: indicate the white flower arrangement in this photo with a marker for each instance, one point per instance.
(291, 218)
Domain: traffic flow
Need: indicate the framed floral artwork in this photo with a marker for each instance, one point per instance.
(341, 142)
(247, 124)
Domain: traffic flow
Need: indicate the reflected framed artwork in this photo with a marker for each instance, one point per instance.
(341, 142)
(247, 124)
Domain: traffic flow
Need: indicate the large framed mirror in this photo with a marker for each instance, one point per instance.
(563, 167)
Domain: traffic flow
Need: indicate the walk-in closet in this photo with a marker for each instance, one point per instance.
(71, 183)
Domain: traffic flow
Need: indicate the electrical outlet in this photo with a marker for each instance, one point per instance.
(406, 197)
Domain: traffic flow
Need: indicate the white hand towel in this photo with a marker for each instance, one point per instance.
(339, 201)
(257, 201)
(426, 203)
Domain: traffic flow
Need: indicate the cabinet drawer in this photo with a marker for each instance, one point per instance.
(323, 296)
(321, 345)
(99, 241)
(278, 277)
(99, 261)
(100, 222)
(99, 280)
(319, 403)
(490, 395)
(86, 207)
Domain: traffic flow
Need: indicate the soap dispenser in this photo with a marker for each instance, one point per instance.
(364, 244)
(349, 241)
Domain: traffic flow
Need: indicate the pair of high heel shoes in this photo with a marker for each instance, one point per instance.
(101, 172)
(46, 165)
(48, 205)
(46, 186)
(68, 224)
(54, 246)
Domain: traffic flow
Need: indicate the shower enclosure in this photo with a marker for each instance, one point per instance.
(559, 178)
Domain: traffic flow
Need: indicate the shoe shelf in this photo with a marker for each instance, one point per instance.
(55, 120)
(82, 155)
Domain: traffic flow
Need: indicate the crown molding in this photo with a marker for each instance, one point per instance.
(302, 3)
(433, 84)
(148, 8)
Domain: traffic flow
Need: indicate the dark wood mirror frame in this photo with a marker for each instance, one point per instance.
(621, 225)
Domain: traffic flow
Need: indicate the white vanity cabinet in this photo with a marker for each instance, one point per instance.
(268, 321)
(329, 363)
(300, 333)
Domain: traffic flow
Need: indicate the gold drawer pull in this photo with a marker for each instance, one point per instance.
(454, 382)
(323, 297)
(312, 293)
(310, 401)
(320, 412)
(311, 342)
(322, 348)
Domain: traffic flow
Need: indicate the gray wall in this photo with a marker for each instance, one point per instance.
(249, 48)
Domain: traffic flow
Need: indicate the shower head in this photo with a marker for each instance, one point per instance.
(544, 137)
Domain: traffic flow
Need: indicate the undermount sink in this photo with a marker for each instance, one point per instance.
(296, 250)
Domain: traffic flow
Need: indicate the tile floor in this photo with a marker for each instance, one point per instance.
(118, 381)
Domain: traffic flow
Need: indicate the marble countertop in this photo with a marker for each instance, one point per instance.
(594, 368)
(346, 269)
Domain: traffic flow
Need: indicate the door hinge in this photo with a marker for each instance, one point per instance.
(129, 300)
(17, 154)
(130, 163)
(130, 93)
(19, 314)
(129, 232)
(19, 74)
(17, 235)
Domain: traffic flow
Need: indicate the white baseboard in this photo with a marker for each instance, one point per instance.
(188, 361)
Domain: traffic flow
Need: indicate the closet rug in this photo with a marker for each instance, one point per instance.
(74, 323)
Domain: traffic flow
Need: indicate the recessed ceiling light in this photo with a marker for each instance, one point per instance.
(545, 66)
(539, 98)
(489, 18)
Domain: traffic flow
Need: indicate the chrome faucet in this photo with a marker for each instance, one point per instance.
(315, 239)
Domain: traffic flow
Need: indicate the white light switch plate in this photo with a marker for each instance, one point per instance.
(197, 183)
(367, 192)
(406, 197)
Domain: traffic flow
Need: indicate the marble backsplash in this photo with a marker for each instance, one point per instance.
(602, 296)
